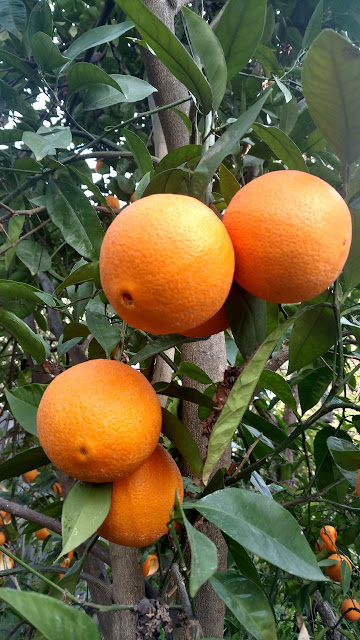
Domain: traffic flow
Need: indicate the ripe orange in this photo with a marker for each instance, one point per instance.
(319, 545)
(218, 322)
(99, 162)
(350, 604)
(5, 518)
(67, 562)
(291, 233)
(141, 503)
(99, 420)
(113, 202)
(151, 565)
(30, 476)
(334, 570)
(329, 535)
(2, 538)
(166, 263)
(42, 534)
(57, 488)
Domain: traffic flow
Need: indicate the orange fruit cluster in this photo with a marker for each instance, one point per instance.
(100, 421)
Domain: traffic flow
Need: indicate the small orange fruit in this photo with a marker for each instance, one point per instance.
(151, 565)
(99, 420)
(334, 570)
(2, 538)
(30, 476)
(141, 503)
(99, 163)
(5, 562)
(42, 534)
(319, 545)
(329, 535)
(218, 322)
(5, 518)
(57, 488)
(348, 609)
(166, 264)
(67, 561)
(113, 202)
(291, 233)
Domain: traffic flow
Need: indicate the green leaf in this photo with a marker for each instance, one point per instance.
(248, 602)
(175, 390)
(46, 144)
(84, 273)
(314, 25)
(169, 50)
(225, 145)
(139, 151)
(188, 154)
(95, 37)
(228, 183)
(90, 185)
(242, 560)
(12, 99)
(10, 291)
(263, 527)
(24, 402)
(351, 272)
(23, 462)
(64, 347)
(326, 471)
(267, 59)
(101, 95)
(46, 53)
(186, 120)
(278, 385)
(313, 386)
(53, 618)
(283, 147)
(181, 438)
(40, 19)
(315, 142)
(105, 333)
(247, 316)
(313, 334)
(194, 372)
(169, 181)
(284, 90)
(209, 50)
(22, 66)
(345, 577)
(331, 87)
(204, 561)
(343, 451)
(85, 509)
(160, 344)
(71, 211)
(34, 256)
(239, 399)
(84, 75)
(239, 30)
(269, 429)
(288, 115)
(13, 17)
(27, 339)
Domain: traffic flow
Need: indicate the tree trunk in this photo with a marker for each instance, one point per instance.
(128, 587)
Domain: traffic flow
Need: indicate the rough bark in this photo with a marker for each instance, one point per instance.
(327, 616)
(128, 587)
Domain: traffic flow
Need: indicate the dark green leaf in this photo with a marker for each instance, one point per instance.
(242, 560)
(97, 36)
(71, 211)
(345, 577)
(84, 75)
(64, 347)
(169, 49)
(344, 451)
(181, 438)
(247, 317)
(351, 272)
(102, 95)
(11, 290)
(13, 17)
(90, 185)
(12, 99)
(278, 385)
(160, 344)
(225, 145)
(313, 386)
(269, 429)
(186, 120)
(315, 142)
(288, 115)
(194, 372)
(46, 53)
(326, 471)
(208, 48)
(40, 19)
(24, 402)
(267, 59)
(228, 183)
(283, 147)
(263, 527)
(248, 602)
(346, 459)
(34, 256)
(106, 334)
(331, 86)
(187, 154)
(169, 181)
(23, 462)
(140, 152)
(85, 509)
(314, 25)
(239, 30)
(175, 390)
(22, 66)
(53, 618)
(204, 561)
(84, 273)
(27, 339)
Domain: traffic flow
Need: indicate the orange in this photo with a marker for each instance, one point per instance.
(357, 484)
(5, 518)
(291, 233)
(215, 324)
(99, 162)
(67, 562)
(141, 503)
(42, 534)
(151, 565)
(319, 545)
(334, 570)
(329, 535)
(166, 263)
(346, 607)
(30, 476)
(2, 538)
(99, 420)
(113, 202)
(57, 488)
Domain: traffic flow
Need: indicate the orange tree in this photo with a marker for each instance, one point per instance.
(104, 104)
